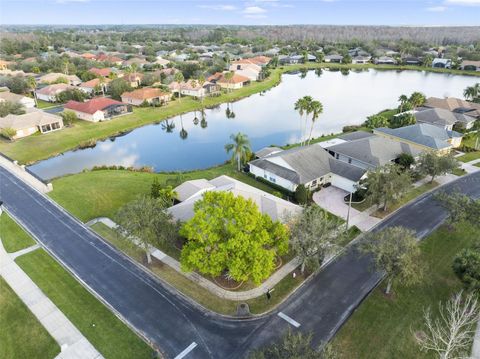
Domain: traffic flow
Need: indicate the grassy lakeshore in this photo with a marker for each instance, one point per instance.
(34, 148)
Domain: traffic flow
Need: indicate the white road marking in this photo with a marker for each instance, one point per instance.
(186, 351)
(288, 319)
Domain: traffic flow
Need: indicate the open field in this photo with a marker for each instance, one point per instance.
(22, 335)
(35, 148)
(384, 327)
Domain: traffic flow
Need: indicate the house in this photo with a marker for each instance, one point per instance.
(266, 151)
(334, 58)
(358, 51)
(246, 68)
(444, 118)
(385, 60)
(133, 79)
(49, 93)
(194, 88)
(190, 192)
(296, 59)
(261, 61)
(367, 151)
(361, 59)
(410, 60)
(139, 62)
(310, 166)
(148, 95)
(89, 56)
(102, 57)
(468, 65)
(423, 136)
(442, 63)
(32, 121)
(162, 62)
(454, 104)
(236, 82)
(98, 109)
(89, 87)
(105, 72)
(25, 101)
(56, 76)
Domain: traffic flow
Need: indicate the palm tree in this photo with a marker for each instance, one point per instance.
(229, 76)
(240, 148)
(32, 85)
(303, 107)
(417, 99)
(178, 78)
(403, 100)
(183, 132)
(316, 108)
(203, 121)
(195, 118)
(101, 82)
(300, 108)
(472, 92)
(168, 126)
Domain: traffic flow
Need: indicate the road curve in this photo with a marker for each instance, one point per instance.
(172, 322)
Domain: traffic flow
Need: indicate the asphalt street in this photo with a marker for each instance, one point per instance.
(172, 322)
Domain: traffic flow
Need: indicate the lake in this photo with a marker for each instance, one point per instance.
(267, 118)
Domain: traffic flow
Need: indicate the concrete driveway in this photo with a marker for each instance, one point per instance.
(331, 199)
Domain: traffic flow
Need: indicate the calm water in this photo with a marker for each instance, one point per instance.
(267, 118)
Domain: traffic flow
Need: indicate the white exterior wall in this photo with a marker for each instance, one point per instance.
(27, 102)
(343, 183)
(279, 181)
(132, 101)
(48, 98)
(97, 116)
(24, 132)
(233, 86)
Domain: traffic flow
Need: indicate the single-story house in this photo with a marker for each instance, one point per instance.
(89, 86)
(261, 61)
(140, 62)
(423, 136)
(49, 93)
(296, 59)
(334, 58)
(32, 121)
(105, 72)
(194, 88)
(247, 69)
(147, 94)
(311, 166)
(236, 82)
(102, 57)
(454, 104)
(468, 65)
(361, 59)
(98, 109)
(25, 101)
(368, 151)
(55, 76)
(385, 60)
(191, 191)
(133, 79)
(410, 60)
(443, 118)
(266, 151)
(442, 63)
(358, 51)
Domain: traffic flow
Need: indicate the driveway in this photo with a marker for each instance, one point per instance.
(331, 199)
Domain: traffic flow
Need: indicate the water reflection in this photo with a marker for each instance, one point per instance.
(196, 140)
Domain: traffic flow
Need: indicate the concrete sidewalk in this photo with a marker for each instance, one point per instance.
(273, 280)
(476, 344)
(72, 343)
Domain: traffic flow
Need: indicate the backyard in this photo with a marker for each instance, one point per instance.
(384, 327)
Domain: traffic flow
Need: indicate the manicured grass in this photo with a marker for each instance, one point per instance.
(469, 156)
(12, 235)
(35, 148)
(459, 171)
(477, 164)
(22, 335)
(45, 104)
(384, 328)
(193, 290)
(407, 197)
(108, 334)
(101, 193)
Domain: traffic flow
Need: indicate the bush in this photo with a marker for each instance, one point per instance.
(302, 195)
(351, 128)
(466, 266)
(8, 133)
(9, 107)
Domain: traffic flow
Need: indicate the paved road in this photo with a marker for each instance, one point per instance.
(171, 321)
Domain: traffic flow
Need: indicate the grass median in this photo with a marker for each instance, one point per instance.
(22, 335)
(383, 327)
(12, 235)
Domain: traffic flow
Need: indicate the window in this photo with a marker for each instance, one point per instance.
(349, 160)
(272, 179)
(265, 176)
(314, 183)
(55, 126)
(46, 128)
(337, 156)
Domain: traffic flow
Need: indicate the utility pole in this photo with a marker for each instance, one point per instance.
(349, 206)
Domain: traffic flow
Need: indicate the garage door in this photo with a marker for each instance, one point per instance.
(343, 183)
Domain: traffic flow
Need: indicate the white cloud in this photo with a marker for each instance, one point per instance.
(251, 10)
(437, 8)
(255, 16)
(219, 7)
(463, 2)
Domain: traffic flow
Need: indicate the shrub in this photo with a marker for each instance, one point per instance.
(302, 195)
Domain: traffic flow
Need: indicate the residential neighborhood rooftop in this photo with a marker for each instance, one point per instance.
(91, 106)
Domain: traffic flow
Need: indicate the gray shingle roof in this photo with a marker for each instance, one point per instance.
(441, 117)
(374, 150)
(263, 152)
(352, 136)
(422, 133)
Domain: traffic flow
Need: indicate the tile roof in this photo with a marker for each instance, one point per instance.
(454, 104)
(100, 72)
(54, 89)
(145, 93)
(92, 106)
(94, 82)
(234, 80)
(30, 119)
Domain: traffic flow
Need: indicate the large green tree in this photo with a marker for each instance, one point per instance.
(313, 235)
(228, 234)
(117, 87)
(386, 184)
(376, 121)
(466, 266)
(434, 165)
(395, 251)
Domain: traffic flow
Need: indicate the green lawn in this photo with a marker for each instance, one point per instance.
(13, 237)
(459, 172)
(108, 334)
(383, 328)
(193, 290)
(22, 335)
(469, 156)
(46, 104)
(35, 148)
(94, 194)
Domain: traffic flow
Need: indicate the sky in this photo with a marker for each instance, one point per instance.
(247, 12)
